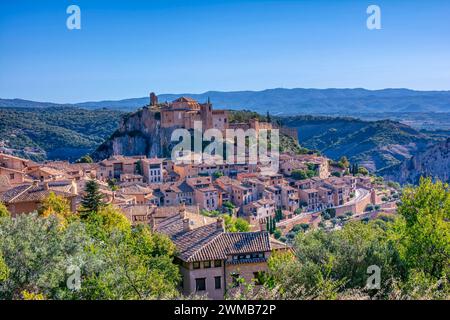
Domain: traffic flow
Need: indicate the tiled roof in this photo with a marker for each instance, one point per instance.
(210, 242)
(26, 193)
(184, 187)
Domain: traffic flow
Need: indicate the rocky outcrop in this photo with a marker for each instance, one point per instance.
(433, 162)
(139, 133)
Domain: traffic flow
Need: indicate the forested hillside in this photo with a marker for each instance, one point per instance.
(374, 144)
(56, 132)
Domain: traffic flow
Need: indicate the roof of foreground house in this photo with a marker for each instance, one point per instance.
(210, 241)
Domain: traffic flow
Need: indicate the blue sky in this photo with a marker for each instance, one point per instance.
(127, 48)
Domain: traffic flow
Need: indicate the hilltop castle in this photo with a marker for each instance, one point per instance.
(182, 112)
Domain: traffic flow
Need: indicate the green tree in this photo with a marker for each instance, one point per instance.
(4, 271)
(424, 232)
(57, 206)
(343, 162)
(299, 174)
(38, 252)
(363, 171)
(138, 167)
(4, 211)
(278, 215)
(112, 184)
(133, 265)
(217, 174)
(85, 159)
(233, 224)
(92, 201)
(229, 206)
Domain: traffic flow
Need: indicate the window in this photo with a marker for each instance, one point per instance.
(217, 263)
(11, 176)
(218, 282)
(196, 265)
(200, 284)
(207, 264)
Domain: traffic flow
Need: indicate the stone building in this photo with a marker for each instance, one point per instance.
(213, 261)
(184, 111)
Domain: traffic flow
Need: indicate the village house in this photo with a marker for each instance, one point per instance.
(213, 261)
(141, 194)
(115, 166)
(310, 197)
(13, 169)
(27, 198)
(153, 170)
(258, 212)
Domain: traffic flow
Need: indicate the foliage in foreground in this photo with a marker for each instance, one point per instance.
(99, 256)
(40, 254)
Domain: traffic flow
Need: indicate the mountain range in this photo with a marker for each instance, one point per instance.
(288, 101)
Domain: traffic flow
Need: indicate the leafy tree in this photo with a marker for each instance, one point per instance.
(37, 252)
(4, 271)
(138, 167)
(57, 206)
(299, 174)
(105, 221)
(233, 224)
(328, 263)
(93, 199)
(343, 162)
(133, 265)
(112, 184)
(210, 213)
(277, 234)
(363, 171)
(229, 206)
(424, 233)
(336, 174)
(217, 174)
(85, 159)
(4, 211)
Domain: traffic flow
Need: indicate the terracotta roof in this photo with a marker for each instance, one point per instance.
(26, 193)
(185, 99)
(210, 242)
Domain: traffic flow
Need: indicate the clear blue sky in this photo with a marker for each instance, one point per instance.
(127, 48)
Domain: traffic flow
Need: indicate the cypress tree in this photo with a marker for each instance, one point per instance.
(93, 199)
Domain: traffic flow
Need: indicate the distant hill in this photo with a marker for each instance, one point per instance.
(292, 101)
(373, 144)
(56, 132)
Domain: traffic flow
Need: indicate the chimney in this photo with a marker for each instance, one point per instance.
(182, 211)
(220, 223)
(186, 225)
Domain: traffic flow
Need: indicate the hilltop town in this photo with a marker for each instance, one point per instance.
(193, 202)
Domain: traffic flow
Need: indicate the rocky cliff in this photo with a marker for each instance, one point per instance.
(139, 133)
(433, 162)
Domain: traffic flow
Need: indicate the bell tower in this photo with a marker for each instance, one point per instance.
(153, 99)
